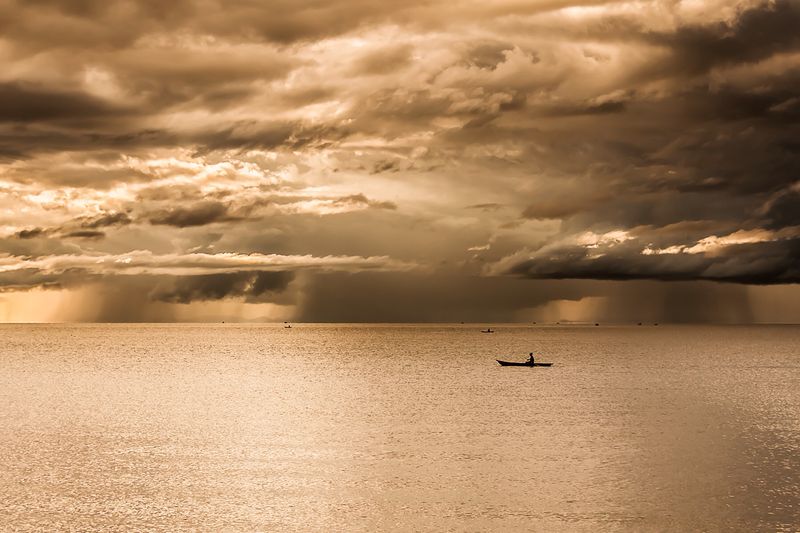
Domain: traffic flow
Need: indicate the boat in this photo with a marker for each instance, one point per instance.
(526, 363)
(490, 330)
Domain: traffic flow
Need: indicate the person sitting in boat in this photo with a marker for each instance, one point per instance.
(530, 358)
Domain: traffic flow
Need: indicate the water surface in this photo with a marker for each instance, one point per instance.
(409, 427)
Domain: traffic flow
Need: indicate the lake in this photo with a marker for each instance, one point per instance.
(326, 427)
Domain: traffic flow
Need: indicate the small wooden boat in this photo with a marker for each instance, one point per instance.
(526, 363)
(490, 330)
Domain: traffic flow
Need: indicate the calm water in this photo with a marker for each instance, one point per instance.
(407, 428)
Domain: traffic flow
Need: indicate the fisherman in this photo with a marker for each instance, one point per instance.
(530, 359)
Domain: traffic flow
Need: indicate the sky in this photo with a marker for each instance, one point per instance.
(541, 160)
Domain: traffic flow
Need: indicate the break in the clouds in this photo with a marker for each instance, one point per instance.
(206, 152)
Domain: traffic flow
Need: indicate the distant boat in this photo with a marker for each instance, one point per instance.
(287, 326)
(526, 363)
(490, 330)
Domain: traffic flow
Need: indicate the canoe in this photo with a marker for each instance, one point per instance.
(510, 363)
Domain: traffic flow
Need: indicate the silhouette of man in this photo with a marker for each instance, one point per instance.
(530, 358)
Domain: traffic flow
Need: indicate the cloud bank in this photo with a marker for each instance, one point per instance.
(240, 151)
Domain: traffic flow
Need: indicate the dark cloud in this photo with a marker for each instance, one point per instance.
(277, 126)
(385, 166)
(86, 24)
(253, 286)
(245, 135)
(83, 227)
(39, 244)
(609, 103)
(31, 233)
(173, 193)
(488, 55)
(29, 103)
(29, 279)
(86, 234)
(199, 214)
(756, 33)
(26, 142)
(756, 263)
(106, 220)
(783, 210)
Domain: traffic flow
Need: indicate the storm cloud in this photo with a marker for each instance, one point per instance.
(757, 263)
(251, 285)
(196, 215)
(240, 150)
